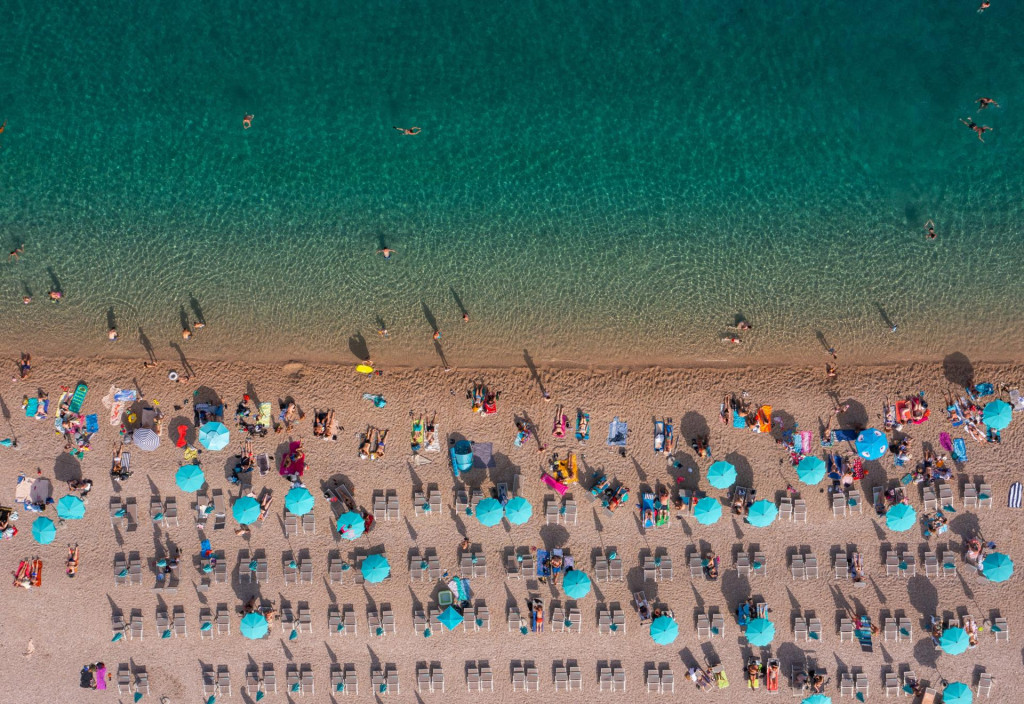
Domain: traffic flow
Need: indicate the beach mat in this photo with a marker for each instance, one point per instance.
(75, 406)
(617, 433)
(1015, 496)
(31, 407)
(845, 435)
(483, 455)
(739, 420)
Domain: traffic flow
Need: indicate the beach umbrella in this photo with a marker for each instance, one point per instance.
(299, 501)
(576, 584)
(190, 477)
(71, 507)
(518, 510)
(900, 517)
(489, 512)
(145, 439)
(871, 444)
(214, 436)
(43, 530)
(817, 699)
(375, 568)
(254, 626)
(954, 641)
(762, 513)
(721, 475)
(246, 510)
(957, 693)
(664, 630)
(760, 632)
(351, 525)
(997, 414)
(707, 511)
(450, 618)
(811, 470)
(997, 567)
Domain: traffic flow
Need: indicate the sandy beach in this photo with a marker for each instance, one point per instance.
(50, 632)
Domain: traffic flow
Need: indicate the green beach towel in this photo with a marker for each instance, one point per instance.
(78, 399)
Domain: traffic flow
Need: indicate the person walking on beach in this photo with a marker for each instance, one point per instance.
(929, 229)
(984, 103)
(409, 131)
(979, 130)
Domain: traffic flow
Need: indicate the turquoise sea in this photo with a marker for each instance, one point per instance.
(595, 181)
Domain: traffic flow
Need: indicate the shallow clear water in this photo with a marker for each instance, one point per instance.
(595, 181)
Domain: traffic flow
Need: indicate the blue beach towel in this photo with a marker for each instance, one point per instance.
(739, 420)
(92, 423)
(959, 453)
(845, 435)
(617, 432)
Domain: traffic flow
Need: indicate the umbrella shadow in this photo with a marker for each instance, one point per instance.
(358, 347)
(958, 370)
(66, 468)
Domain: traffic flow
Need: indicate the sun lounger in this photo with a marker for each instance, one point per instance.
(799, 511)
(135, 570)
(810, 566)
(180, 627)
(985, 495)
(796, 566)
(842, 566)
(799, 629)
(931, 564)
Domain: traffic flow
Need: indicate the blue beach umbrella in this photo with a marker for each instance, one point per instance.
(190, 477)
(998, 567)
(299, 501)
(375, 568)
(811, 470)
(576, 584)
(489, 512)
(707, 511)
(214, 436)
(43, 530)
(518, 510)
(664, 630)
(957, 693)
(760, 632)
(721, 475)
(817, 699)
(871, 444)
(71, 508)
(246, 510)
(900, 517)
(254, 626)
(450, 618)
(762, 513)
(954, 641)
(351, 525)
(997, 414)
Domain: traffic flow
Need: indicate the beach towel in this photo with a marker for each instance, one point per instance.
(739, 420)
(582, 419)
(845, 435)
(434, 446)
(946, 442)
(647, 504)
(959, 453)
(30, 407)
(1013, 501)
(806, 441)
(75, 406)
(483, 455)
(32, 491)
(521, 437)
(265, 416)
(617, 433)
(659, 436)
(101, 678)
(764, 420)
(92, 423)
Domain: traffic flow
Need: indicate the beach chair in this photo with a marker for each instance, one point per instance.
(306, 684)
(532, 679)
(604, 679)
(156, 510)
(931, 564)
(969, 497)
(305, 570)
(309, 523)
(786, 508)
(985, 682)
(892, 685)
(717, 625)
(668, 681)
(550, 512)
(945, 496)
(434, 567)
(575, 619)
(799, 629)
(696, 567)
(205, 624)
(569, 516)
(394, 508)
(171, 510)
(796, 567)
(799, 511)
(814, 631)
(846, 686)
(908, 564)
(141, 685)
(742, 565)
(334, 570)
(117, 512)
(759, 565)
(600, 571)
(387, 620)
(618, 679)
(291, 679)
(515, 620)
(480, 566)
(434, 501)
(575, 679)
(906, 629)
(209, 683)
(892, 564)
(135, 627)
(269, 678)
(615, 569)
(561, 678)
(422, 680)
(290, 574)
(180, 626)
(929, 498)
(380, 507)
(131, 512)
(486, 678)
(810, 566)
(417, 568)
(473, 678)
(1001, 629)
(860, 683)
(224, 680)
(557, 621)
(202, 509)
(604, 621)
(223, 620)
(419, 504)
(854, 503)
(846, 630)
(518, 678)
(121, 578)
(890, 630)
(649, 569)
(252, 680)
(842, 566)
(135, 570)
(618, 621)
(117, 625)
(838, 505)
(665, 571)
(984, 496)
(947, 560)
(262, 571)
(305, 620)
(219, 511)
(394, 686)
(703, 626)
(461, 502)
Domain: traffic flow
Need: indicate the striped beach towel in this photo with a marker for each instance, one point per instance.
(1015, 495)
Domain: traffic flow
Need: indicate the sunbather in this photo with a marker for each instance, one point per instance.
(81, 485)
(711, 565)
(25, 365)
(701, 677)
(268, 498)
(364, 446)
(702, 445)
(382, 437)
(818, 684)
(754, 674)
(973, 553)
(936, 630)
(72, 565)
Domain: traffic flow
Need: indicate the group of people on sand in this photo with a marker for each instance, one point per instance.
(374, 444)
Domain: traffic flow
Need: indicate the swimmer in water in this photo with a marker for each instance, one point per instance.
(929, 228)
(55, 296)
(112, 334)
(465, 317)
(410, 131)
(984, 6)
(186, 334)
(979, 130)
(19, 251)
(386, 252)
(3, 127)
(383, 332)
(437, 335)
(26, 299)
(984, 103)
(247, 121)
(732, 339)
